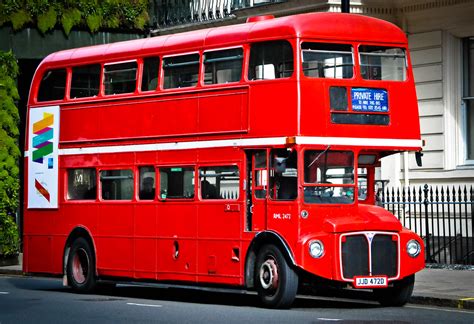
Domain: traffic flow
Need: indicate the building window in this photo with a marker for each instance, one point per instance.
(468, 95)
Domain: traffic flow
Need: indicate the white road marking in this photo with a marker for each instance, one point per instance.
(329, 319)
(144, 305)
(4, 293)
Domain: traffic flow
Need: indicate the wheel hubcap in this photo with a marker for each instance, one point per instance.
(80, 266)
(269, 274)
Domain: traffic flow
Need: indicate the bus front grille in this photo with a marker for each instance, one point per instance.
(369, 254)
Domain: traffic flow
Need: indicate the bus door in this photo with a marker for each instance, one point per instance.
(256, 191)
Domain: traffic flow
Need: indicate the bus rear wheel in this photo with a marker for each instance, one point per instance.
(276, 282)
(398, 295)
(81, 266)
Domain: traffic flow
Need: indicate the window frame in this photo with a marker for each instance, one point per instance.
(202, 71)
(355, 62)
(112, 63)
(248, 55)
(100, 89)
(369, 44)
(221, 165)
(158, 193)
(66, 84)
(467, 62)
(67, 186)
(163, 70)
(141, 73)
(100, 186)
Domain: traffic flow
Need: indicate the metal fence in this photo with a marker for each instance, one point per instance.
(442, 216)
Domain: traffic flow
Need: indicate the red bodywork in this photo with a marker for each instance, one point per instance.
(135, 239)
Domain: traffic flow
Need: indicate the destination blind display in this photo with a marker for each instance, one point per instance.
(371, 100)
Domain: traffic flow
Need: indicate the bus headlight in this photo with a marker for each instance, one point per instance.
(316, 249)
(413, 248)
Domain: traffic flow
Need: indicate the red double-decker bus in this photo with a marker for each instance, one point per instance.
(243, 156)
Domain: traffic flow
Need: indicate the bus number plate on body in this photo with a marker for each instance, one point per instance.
(370, 282)
(370, 100)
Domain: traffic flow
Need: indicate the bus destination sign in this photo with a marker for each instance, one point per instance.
(371, 100)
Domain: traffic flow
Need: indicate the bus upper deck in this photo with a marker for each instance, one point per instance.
(323, 78)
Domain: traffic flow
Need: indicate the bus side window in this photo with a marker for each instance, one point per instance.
(85, 81)
(223, 66)
(52, 85)
(219, 182)
(117, 184)
(120, 78)
(270, 60)
(181, 71)
(283, 175)
(150, 74)
(81, 184)
(177, 183)
(147, 183)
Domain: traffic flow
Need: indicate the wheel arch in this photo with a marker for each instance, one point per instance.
(260, 239)
(77, 232)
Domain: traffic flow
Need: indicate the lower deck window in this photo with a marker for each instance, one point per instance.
(177, 183)
(117, 184)
(81, 184)
(219, 182)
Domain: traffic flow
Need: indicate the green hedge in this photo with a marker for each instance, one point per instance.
(9, 155)
(93, 14)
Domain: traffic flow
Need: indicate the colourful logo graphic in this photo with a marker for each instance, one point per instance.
(44, 132)
(42, 190)
(43, 146)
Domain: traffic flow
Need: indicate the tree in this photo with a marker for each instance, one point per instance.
(9, 155)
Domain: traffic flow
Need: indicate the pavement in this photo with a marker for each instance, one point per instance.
(444, 287)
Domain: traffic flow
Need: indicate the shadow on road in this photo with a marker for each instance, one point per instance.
(194, 295)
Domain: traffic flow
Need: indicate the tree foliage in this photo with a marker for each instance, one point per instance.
(91, 14)
(9, 154)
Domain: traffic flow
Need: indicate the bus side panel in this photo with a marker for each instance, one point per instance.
(177, 234)
(114, 240)
(223, 111)
(145, 242)
(220, 224)
(273, 108)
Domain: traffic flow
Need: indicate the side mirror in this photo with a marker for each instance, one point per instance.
(418, 156)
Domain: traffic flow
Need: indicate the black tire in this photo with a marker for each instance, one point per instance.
(81, 266)
(398, 295)
(275, 281)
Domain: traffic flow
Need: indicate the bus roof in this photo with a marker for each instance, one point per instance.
(321, 26)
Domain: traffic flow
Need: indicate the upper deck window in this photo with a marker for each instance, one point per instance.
(52, 85)
(150, 74)
(85, 81)
(270, 60)
(327, 60)
(383, 63)
(181, 71)
(223, 66)
(120, 78)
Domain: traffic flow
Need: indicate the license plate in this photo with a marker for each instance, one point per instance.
(371, 282)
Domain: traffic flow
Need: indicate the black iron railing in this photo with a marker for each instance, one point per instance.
(442, 216)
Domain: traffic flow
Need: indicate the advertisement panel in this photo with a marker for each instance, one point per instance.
(43, 169)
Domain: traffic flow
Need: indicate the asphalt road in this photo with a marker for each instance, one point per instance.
(45, 300)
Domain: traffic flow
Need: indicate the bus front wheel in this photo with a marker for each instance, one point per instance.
(81, 266)
(398, 295)
(276, 282)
